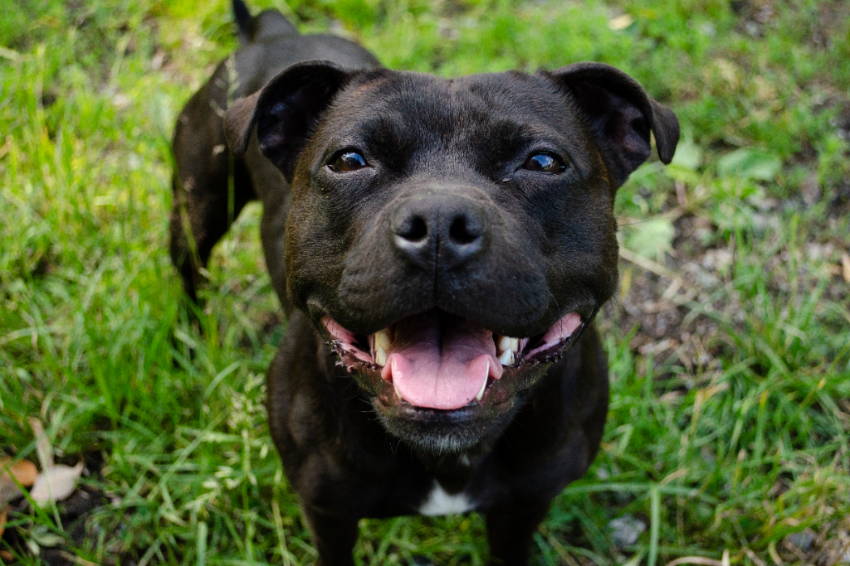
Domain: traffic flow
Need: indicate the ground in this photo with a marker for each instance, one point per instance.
(729, 342)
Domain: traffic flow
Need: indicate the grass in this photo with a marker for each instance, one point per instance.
(729, 343)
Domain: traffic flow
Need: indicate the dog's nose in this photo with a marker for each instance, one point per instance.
(447, 230)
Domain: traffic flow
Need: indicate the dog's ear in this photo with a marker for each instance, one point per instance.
(620, 115)
(284, 112)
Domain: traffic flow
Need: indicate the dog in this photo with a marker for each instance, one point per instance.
(441, 247)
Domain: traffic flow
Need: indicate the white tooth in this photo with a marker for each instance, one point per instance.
(481, 393)
(380, 357)
(508, 344)
(382, 344)
(507, 357)
(382, 339)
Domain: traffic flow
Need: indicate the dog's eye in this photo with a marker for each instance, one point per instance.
(347, 160)
(545, 163)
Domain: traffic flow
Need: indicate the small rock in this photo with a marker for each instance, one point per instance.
(626, 530)
(802, 540)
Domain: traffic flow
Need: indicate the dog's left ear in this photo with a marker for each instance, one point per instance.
(620, 116)
(284, 112)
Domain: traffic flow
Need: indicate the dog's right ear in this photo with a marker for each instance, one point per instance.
(284, 112)
(620, 114)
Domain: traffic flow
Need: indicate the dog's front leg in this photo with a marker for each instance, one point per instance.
(510, 530)
(333, 535)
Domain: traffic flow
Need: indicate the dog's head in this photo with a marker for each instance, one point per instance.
(451, 238)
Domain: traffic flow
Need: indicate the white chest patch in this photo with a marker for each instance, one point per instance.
(441, 503)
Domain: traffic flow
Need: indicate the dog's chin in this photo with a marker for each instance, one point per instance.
(445, 432)
(444, 384)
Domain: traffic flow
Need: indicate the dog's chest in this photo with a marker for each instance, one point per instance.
(438, 500)
(441, 502)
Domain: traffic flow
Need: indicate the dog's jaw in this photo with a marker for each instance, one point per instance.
(441, 362)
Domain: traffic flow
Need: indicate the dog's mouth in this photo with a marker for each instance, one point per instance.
(435, 360)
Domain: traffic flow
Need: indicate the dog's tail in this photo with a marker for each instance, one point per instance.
(244, 21)
(266, 24)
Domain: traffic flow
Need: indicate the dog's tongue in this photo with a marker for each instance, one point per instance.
(440, 362)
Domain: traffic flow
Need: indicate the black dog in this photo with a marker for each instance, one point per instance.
(442, 246)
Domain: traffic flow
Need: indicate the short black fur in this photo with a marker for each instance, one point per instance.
(445, 221)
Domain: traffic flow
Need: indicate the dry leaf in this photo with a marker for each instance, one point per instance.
(3, 514)
(6, 555)
(56, 483)
(620, 22)
(22, 472)
(845, 267)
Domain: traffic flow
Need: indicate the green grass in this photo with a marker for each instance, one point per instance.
(729, 344)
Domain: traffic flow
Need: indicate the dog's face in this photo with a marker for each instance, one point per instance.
(451, 238)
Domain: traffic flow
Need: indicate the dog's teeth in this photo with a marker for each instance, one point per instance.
(508, 357)
(481, 393)
(506, 343)
(382, 339)
(508, 348)
(380, 357)
(382, 344)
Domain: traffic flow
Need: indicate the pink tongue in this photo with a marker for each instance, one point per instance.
(440, 362)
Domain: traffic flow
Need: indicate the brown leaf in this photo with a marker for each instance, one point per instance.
(845, 267)
(3, 514)
(11, 474)
(24, 471)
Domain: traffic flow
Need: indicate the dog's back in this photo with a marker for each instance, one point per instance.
(205, 201)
